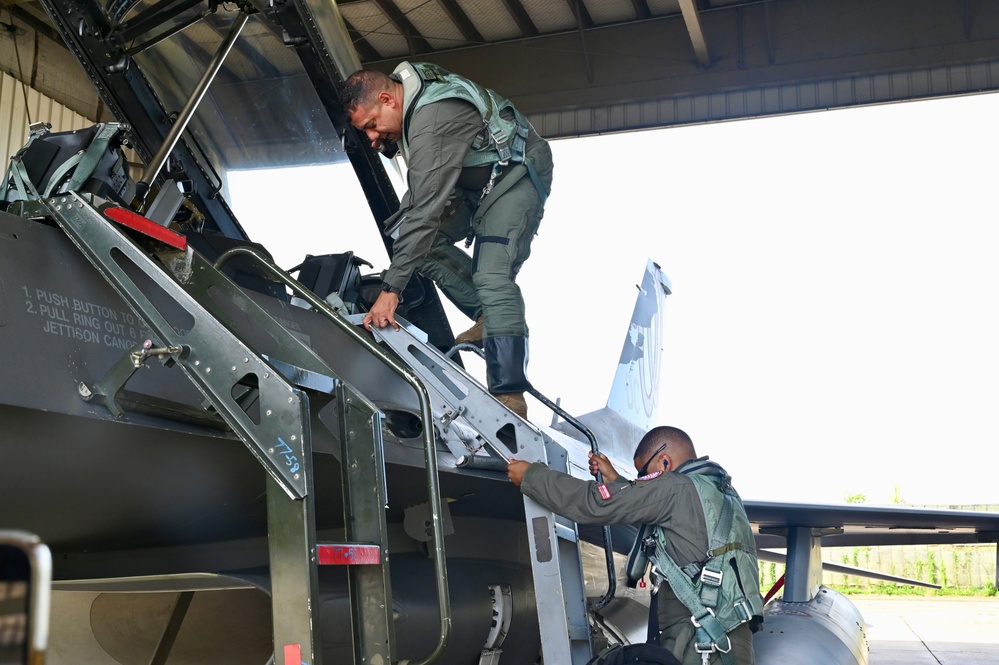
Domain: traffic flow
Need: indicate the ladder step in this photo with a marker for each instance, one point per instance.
(302, 377)
(565, 533)
(348, 554)
(577, 632)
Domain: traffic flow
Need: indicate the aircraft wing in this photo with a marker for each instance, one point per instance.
(852, 525)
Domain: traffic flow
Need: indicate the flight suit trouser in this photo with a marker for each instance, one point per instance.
(447, 265)
(503, 225)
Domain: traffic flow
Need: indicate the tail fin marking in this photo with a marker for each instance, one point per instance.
(635, 391)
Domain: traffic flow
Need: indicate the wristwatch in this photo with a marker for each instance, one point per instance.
(392, 289)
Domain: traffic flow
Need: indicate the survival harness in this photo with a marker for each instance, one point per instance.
(505, 139)
(97, 155)
(721, 591)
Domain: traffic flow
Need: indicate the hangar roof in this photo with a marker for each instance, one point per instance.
(581, 67)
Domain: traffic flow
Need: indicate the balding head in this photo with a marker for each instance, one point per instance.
(373, 103)
(362, 87)
(669, 445)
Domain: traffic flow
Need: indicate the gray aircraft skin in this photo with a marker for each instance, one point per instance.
(152, 491)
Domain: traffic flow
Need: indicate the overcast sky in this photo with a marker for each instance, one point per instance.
(833, 325)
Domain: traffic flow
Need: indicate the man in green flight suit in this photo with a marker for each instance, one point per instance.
(674, 492)
(477, 171)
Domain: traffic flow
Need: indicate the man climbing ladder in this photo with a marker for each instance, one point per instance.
(478, 171)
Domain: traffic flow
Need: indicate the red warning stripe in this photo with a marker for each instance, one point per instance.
(136, 221)
(348, 554)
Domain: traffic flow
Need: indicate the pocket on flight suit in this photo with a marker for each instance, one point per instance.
(456, 220)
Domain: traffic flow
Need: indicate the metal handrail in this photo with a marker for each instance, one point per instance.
(497, 465)
(608, 545)
(429, 447)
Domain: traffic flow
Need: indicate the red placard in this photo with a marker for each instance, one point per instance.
(136, 221)
(348, 555)
(292, 654)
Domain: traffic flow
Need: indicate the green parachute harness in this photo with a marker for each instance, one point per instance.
(721, 591)
(505, 139)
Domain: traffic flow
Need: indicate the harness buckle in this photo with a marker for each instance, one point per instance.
(711, 577)
(499, 136)
(697, 624)
(713, 647)
(497, 170)
(744, 606)
(39, 128)
(656, 579)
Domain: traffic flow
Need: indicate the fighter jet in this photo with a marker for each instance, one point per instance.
(191, 430)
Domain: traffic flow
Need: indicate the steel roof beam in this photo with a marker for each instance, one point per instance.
(417, 42)
(693, 20)
(42, 27)
(582, 16)
(521, 18)
(580, 11)
(642, 10)
(365, 51)
(461, 21)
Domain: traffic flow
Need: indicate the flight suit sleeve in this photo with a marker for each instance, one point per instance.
(440, 135)
(634, 502)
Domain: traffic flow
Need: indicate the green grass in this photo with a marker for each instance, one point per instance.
(889, 589)
(954, 568)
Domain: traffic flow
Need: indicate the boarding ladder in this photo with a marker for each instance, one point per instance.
(481, 432)
(272, 405)
(184, 299)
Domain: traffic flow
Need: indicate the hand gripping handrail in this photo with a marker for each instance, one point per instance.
(608, 545)
(429, 448)
(585, 431)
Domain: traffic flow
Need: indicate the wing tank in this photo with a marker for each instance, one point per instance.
(827, 629)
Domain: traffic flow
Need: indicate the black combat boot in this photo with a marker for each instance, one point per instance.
(506, 371)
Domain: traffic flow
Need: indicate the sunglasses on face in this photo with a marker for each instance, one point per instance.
(645, 468)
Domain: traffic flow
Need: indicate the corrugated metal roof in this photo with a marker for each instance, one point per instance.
(406, 28)
(589, 66)
(491, 18)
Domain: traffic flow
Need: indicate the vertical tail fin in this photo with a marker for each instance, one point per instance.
(635, 391)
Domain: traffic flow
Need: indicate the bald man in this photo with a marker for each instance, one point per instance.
(667, 494)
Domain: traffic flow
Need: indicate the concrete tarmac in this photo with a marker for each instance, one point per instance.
(931, 631)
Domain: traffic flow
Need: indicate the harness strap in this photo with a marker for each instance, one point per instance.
(729, 547)
(18, 174)
(5, 187)
(709, 629)
(512, 177)
(653, 633)
(63, 169)
(502, 240)
(710, 635)
(22, 181)
(712, 573)
(536, 179)
(91, 156)
(11, 175)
